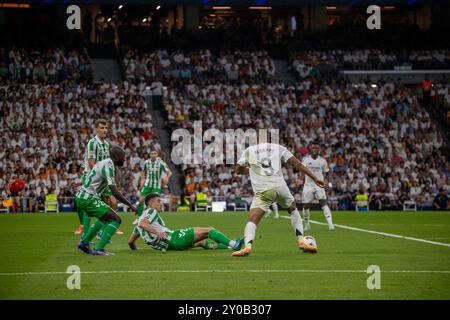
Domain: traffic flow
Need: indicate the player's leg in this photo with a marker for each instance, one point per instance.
(275, 209)
(217, 236)
(111, 222)
(326, 213)
(210, 244)
(112, 201)
(307, 199)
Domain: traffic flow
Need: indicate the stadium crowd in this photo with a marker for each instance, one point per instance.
(370, 133)
(51, 65)
(312, 63)
(199, 64)
(46, 128)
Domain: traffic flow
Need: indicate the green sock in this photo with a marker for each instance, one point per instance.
(108, 232)
(219, 237)
(140, 209)
(211, 245)
(85, 221)
(88, 235)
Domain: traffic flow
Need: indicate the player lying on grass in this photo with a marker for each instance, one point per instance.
(89, 202)
(264, 162)
(154, 232)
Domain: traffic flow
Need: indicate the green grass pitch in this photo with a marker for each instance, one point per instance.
(36, 250)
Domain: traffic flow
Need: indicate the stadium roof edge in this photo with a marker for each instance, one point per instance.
(239, 2)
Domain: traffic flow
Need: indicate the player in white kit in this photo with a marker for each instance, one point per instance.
(264, 162)
(311, 192)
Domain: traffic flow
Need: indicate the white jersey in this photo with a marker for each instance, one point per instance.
(101, 176)
(317, 166)
(265, 163)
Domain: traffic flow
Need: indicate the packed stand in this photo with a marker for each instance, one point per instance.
(44, 65)
(199, 64)
(46, 128)
(378, 138)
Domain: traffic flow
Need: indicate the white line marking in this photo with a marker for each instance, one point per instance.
(221, 271)
(380, 233)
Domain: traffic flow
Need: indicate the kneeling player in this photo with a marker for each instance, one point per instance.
(155, 233)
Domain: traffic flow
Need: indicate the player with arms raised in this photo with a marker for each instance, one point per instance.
(264, 162)
(89, 202)
(311, 191)
(97, 150)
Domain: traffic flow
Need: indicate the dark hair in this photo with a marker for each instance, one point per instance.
(150, 196)
(101, 121)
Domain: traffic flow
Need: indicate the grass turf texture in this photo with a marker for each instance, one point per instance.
(46, 243)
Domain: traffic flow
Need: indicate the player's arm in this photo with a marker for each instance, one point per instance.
(142, 180)
(168, 174)
(119, 196)
(132, 241)
(293, 161)
(147, 226)
(91, 154)
(242, 165)
(240, 169)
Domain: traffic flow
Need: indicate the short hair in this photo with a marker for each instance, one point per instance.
(100, 121)
(314, 143)
(116, 151)
(150, 197)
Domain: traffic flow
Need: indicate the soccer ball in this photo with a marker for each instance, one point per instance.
(311, 241)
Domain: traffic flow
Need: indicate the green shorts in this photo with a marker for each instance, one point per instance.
(147, 190)
(93, 206)
(182, 239)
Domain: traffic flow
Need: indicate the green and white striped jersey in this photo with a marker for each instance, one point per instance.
(96, 149)
(157, 243)
(153, 172)
(101, 176)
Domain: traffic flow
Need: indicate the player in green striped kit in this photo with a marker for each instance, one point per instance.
(89, 202)
(154, 232)
(154, 168)
(97, 150)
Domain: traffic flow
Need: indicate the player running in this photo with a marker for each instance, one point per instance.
(264, 162)
(155, 233)
(311, 191)
(97, 150)
(89, 202)
(152, 178)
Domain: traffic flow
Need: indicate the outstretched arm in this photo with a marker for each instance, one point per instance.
(119, 196)
(240, 169)
(132, 241)
(293, 161)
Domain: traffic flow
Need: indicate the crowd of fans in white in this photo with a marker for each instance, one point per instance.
(53, 65)
(376, 139)
(306, 63)
(47, 127)
(232, 65)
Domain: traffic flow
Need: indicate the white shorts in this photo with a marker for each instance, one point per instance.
(282, 195)
(310, 194)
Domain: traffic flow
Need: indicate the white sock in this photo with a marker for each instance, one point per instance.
(297, 224)
(275, 208)
(249, 233)
(327, 214)
(306, 214)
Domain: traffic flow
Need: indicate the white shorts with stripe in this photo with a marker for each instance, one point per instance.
(281, 195)
(312, 194)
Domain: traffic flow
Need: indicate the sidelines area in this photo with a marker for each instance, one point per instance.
(380, 233)
(220, 271)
